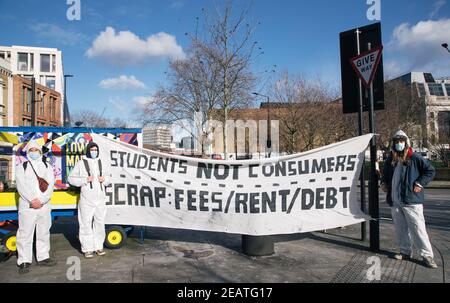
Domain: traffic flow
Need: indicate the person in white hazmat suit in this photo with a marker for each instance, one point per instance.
(91, 174)
(34, 209)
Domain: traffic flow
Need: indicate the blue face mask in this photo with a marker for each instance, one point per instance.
(34, 155)
(94, 154)
(399, 147)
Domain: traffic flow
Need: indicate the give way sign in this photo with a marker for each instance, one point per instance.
(366, 64)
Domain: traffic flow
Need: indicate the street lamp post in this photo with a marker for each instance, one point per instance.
(269, 135)
(445, 45)
(66, 116)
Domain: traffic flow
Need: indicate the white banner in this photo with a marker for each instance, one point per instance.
(299, 193)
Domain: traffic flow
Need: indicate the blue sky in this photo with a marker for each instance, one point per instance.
(296, 35)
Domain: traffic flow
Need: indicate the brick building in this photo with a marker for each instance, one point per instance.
(47, 106)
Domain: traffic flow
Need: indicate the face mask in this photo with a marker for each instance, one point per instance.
(34, 155)
(94, 154)
(399, 147)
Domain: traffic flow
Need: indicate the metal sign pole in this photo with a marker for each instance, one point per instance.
(360, 132)
(373, 184)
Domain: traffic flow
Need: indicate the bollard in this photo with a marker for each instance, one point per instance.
(257, 245)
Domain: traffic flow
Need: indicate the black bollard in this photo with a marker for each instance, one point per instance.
(257, 245)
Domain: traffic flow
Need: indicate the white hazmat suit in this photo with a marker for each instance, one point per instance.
(92, 204)
(30, 218)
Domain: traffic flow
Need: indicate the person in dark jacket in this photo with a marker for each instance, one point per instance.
(405, 175)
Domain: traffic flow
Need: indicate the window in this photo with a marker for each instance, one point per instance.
(422, 91)
(52, 108)
(50, 82)
(45, 63)
(25, 62)
(428, 78)
(22, 62)
(4, 170)
(42, 104)
(436, 89)
(447, 88)
(53, 63)
(26, 122)
(26, 99)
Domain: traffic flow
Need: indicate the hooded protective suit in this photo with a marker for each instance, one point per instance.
(92, 204)
(30, 218)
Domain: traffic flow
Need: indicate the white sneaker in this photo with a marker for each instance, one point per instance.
(429, 262)
(89, 255)
(100, 252)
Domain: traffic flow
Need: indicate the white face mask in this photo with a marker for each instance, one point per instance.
(94, 154)
(34, 155)
(400, 146)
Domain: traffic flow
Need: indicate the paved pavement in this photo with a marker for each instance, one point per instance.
(171, 255)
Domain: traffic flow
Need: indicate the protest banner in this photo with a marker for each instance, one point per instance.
(305, 192)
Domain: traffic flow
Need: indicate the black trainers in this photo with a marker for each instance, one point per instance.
(47, 262)
(24, 268)
(402, 257)
(429, 262)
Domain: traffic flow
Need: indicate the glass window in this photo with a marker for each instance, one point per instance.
(2, 55)
(52, 108)
(42, 104)
(22, 62)
(31, 62)
(50, 82)
(53, 63)
(428, 77)
(436, 89)
(45, 63)
(422, 91)
(447, 88)
(26, 99)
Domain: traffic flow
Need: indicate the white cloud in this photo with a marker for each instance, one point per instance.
(437, 7)
(418, 47)
(55, 33)
(141, 101)
(123, 82)
(125, 48)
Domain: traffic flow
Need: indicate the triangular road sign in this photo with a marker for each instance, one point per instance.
(366, 64)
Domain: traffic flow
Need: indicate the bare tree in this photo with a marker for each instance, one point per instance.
(404, 110)
(307, 116)
(92, 118)
(89, 118)
(215, 77)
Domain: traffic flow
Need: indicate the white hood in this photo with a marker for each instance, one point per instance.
(33, 144)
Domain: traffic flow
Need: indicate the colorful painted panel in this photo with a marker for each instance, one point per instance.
(63, 150)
